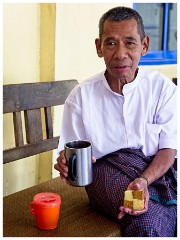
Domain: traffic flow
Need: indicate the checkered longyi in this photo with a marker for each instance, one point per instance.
(112, 175)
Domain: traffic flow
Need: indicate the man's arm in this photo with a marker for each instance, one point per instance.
(162, 161)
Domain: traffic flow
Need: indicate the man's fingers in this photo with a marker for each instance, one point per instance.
(121, 214)
(93, 159)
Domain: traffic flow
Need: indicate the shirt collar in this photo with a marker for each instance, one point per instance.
(127, 87)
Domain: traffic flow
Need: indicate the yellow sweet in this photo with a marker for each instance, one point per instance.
(134, 199)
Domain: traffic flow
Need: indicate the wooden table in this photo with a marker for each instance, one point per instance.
(77, 218)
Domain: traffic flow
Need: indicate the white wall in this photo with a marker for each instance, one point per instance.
(20, 43)
(20, 64)
(76, 30)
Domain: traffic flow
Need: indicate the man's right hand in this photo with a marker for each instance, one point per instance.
(61, 166)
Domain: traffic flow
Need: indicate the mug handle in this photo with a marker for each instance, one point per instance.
(72, 167)
(32, 208)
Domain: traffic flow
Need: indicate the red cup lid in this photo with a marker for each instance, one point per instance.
(47, 199)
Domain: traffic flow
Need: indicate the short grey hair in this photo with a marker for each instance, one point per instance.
(119, 14)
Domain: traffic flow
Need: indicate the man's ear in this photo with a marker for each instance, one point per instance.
(98, 47)
(145, 44)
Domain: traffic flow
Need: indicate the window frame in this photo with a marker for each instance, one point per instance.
(163, 56)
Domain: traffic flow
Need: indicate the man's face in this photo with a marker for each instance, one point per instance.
(121, 48)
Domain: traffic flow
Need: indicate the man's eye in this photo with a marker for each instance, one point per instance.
(130, 44)
(110, 43)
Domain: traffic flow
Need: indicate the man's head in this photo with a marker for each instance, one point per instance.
(122, 42)
(119, 14)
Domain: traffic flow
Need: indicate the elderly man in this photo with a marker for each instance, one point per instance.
(129, 116)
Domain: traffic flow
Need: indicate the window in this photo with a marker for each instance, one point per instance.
(160, 23)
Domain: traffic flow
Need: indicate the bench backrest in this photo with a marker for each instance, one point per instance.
(32, 99)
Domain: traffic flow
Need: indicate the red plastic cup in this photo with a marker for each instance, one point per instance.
(46, 208)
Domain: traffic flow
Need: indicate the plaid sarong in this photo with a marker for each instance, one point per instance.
(112, 175)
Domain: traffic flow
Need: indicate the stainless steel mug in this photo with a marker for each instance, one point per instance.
(78, 155)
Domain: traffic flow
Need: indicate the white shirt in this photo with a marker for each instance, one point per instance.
(143, 117)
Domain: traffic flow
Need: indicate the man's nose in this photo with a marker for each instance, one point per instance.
(120, 52)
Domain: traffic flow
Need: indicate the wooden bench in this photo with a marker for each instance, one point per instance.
(77, 219)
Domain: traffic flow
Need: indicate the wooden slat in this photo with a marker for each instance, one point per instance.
(18, 97)
(48, 120)
(31, 98)
(27, 150)
(174, 81)
(18, 132)
(33, 125)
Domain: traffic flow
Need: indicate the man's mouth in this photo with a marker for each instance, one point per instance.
(121, 68)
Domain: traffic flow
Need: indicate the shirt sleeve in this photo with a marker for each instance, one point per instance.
(72, 127)
(167, 118)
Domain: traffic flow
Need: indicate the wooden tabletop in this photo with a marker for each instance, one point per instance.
(77, 218)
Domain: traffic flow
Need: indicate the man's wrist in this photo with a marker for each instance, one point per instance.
(145, 179)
